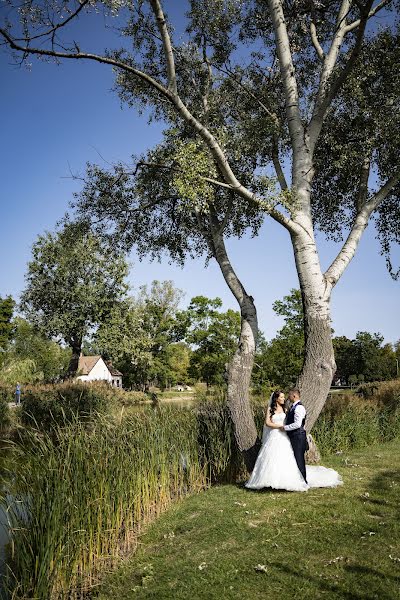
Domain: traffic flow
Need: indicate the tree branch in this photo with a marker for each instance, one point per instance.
(338, 266)
(277, 164)
(53, 30)
(371, 13)
(287, 70)
(326, 91)
(363, 186)
(273, 116)
(166, 40)
(314, 36)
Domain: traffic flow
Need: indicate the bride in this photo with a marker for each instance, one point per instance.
(276, 466)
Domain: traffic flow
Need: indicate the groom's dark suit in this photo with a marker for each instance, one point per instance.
(297, 436)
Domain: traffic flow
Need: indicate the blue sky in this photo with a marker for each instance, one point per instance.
(56, 118)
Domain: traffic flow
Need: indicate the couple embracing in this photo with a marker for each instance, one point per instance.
(281, 462)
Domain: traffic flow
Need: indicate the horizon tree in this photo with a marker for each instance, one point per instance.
(72, 283)
(307, 83)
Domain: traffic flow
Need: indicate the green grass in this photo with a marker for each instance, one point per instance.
(231, 543)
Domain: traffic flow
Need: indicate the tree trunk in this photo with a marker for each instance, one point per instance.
(239, 377)
(76, 347)
(241, 365)
(319, 361)
(318, 369)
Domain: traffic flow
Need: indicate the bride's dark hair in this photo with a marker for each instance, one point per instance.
(274, 402)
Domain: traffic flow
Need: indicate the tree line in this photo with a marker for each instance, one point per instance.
(77, 300)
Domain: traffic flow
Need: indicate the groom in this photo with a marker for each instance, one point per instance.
(294, 427)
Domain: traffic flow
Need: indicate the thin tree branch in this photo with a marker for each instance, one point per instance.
(272, 115)
(348, 250)
(168, 51)
(53, 30)
(277, 164)
(371, 13)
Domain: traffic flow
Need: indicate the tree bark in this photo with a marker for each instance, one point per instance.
(76, 347)
(241, 365)
(239, 377)
(319, 363)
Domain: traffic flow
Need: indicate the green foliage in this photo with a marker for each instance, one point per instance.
(357, 421)
(31, 357)
(73, 281)
(48, 407)
(6, 313)
(20, 370)
(139, 337)
(213, 335)
(364, 359)
(194, 164)
(278, 362)
(99, 486)
(5, 415)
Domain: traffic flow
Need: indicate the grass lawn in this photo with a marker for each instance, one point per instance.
(230, 543)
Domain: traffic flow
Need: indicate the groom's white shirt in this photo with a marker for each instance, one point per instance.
(299, 414)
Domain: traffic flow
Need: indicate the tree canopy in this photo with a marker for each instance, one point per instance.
(72, 283)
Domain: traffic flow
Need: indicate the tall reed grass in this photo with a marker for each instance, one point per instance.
(80, 495)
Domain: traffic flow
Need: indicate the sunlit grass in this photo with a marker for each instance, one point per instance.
(232, 543)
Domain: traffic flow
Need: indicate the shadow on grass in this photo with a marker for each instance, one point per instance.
(385, 490)
(289, 572)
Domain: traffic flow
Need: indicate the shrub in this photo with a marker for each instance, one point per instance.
(5, 417)
(47, 406)
(370, 416)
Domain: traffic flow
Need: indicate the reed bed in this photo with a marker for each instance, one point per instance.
(80, 496)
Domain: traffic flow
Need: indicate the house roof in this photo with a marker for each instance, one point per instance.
(113, 370)
(86, 364)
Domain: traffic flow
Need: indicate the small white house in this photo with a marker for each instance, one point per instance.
(93, 368)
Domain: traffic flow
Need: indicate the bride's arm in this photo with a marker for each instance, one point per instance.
(268, 421)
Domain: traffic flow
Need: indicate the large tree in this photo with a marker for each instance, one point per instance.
(72, 284)
(257, 82)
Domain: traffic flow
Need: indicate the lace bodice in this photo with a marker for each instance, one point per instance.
(278, 418)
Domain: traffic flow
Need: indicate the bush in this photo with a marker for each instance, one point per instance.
(5, 416)
(372, 415)
(128, 398)
(47, 406)
(7, 392)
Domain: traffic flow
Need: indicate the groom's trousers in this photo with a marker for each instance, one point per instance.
(298, 439)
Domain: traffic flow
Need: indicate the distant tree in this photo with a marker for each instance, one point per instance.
(279, 361)
(138, 334)
(72, 284)
(365, 358)
(17, 370)
(6, 312)
(213, 335)
(51, 360)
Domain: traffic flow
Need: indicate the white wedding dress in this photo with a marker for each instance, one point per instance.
(276, 465)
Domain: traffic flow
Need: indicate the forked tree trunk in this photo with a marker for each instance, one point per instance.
(241, 365)
(319, 362)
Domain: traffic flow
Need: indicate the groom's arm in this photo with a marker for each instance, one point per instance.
(299, 415)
